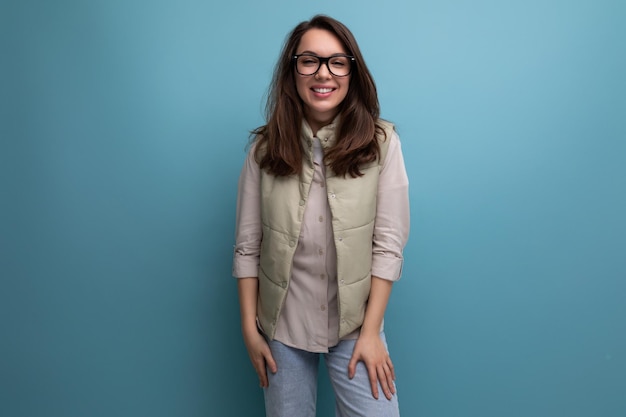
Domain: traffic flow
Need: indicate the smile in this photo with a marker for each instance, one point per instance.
(323, 90)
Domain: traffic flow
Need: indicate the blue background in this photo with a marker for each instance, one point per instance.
(124, 125)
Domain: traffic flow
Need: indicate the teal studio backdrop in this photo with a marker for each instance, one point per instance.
(123, 130)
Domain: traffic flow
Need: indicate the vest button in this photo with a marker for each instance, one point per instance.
(302, 202)
(283, 284)
(292, 243)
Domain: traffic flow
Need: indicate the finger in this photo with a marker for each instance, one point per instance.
(371, 372)
(390, 379)
(391, 368)
(271, 363)
(352, 366)
(391, 375)
(262, 373)
(382, 379)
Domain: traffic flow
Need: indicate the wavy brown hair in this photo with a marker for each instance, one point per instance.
(279, 148)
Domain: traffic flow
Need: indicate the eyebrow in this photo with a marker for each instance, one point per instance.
(316, 54)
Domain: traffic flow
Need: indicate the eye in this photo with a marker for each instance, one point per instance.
(308, 61)
(339, 62)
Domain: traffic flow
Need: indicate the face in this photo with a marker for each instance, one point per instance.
(322, 93)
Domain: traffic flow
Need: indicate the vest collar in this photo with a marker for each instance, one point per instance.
(326, 135)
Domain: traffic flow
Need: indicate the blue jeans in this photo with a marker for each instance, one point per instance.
(292, 391)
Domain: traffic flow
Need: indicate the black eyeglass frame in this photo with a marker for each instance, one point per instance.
(324, 60)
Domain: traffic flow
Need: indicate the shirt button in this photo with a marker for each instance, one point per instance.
(322, 276)
(323, 307)
(321, 251)
(321, 219)
(341, 239)
(332, 195)
(341, 282)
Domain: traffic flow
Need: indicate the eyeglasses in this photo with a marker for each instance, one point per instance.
(338, 65)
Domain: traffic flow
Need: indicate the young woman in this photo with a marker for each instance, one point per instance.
(322, 219)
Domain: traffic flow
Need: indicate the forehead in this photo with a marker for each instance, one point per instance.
(320, 42)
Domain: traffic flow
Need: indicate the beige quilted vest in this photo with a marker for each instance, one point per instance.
(353, 206)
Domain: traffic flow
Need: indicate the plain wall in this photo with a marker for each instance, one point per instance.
(123, 130)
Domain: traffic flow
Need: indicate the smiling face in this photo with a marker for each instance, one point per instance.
(321, 93)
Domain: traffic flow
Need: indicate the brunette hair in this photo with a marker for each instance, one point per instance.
(279, 148)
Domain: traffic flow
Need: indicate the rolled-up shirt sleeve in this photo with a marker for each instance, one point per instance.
(391, 228)
(248, 230)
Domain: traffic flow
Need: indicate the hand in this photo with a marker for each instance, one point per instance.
(260, 355)
(371, 350)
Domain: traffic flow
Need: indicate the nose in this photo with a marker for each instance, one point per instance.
(323, 71)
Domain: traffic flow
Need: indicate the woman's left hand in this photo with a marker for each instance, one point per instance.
(371, 350)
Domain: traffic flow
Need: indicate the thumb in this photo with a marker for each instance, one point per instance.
(271, 363)
(352, 366)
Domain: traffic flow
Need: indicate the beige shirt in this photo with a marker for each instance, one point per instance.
(309, 318)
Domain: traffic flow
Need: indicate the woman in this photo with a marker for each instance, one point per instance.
(322, 219)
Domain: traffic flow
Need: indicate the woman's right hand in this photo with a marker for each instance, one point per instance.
(258, 349)
(260, 355)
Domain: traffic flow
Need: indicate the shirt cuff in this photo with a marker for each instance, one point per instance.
(245, 266)
(387, 267)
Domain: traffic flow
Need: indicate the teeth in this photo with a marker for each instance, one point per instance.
(322, 90)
